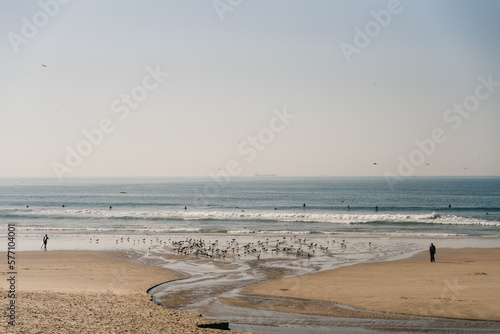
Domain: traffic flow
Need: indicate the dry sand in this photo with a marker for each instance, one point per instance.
(463, 284)
(91, 292)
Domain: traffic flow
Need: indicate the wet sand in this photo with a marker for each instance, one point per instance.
(462, 284)
(92, 292)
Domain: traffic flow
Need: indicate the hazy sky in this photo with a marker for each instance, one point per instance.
(302, 88)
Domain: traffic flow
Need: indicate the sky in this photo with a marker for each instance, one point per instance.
(238, 87)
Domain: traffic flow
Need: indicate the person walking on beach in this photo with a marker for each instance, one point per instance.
(44, 242)
(432, 251)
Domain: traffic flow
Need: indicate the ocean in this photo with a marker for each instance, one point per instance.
(282, 225)
(362, 206)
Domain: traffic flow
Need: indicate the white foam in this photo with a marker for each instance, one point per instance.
(138, 229)
(338, 218)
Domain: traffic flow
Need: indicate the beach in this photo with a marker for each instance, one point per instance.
(256, 257)
(462, 284)
(105, 292)
(92, 292)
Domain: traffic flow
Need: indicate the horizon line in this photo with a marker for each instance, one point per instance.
(241, 176)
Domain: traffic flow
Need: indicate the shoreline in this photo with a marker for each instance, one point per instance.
(93, 292)
(464, 286)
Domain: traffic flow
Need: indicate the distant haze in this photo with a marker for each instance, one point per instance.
(293, 88)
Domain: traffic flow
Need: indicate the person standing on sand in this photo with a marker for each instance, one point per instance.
(432, 251)
(45, 239)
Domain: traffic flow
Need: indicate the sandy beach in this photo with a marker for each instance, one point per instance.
(105, 292)
(92, 292)
(462, 284)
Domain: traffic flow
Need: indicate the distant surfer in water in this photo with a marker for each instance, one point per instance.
(432, 251)
(44, 242)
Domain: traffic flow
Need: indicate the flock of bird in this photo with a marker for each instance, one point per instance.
(299, 247)
(233, 248)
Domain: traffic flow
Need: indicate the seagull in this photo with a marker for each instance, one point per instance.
(43, 65)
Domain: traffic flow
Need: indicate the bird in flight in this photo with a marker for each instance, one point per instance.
(44, 65)
(374, 163)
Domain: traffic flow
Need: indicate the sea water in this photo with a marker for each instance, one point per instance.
(417, 207)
